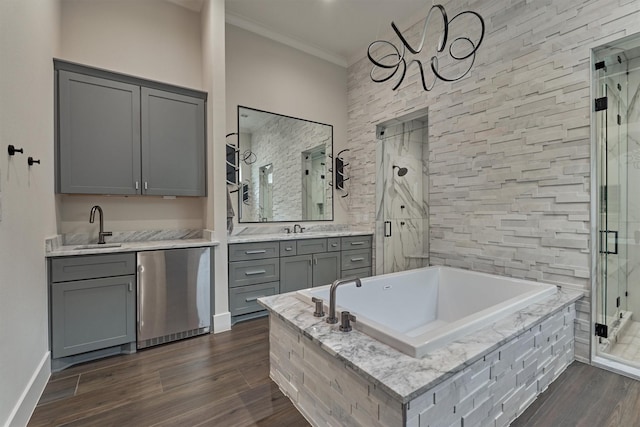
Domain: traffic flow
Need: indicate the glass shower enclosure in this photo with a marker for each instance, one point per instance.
(616, 84)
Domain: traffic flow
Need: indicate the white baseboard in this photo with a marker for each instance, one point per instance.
(221, 322)
(31, 395)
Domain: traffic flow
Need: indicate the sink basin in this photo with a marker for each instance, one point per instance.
(99, 246)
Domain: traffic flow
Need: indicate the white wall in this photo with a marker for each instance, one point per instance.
(29, 36)
(153, 39)
(270, 76)
(215, 208)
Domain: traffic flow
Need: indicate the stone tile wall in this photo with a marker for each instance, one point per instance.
(509, 161)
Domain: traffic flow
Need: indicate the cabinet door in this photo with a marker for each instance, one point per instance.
(99, 135)
(295, 273)
(326, 268)
(92, 314)
(173, 144)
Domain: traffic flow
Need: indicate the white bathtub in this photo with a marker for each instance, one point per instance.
(417, 311)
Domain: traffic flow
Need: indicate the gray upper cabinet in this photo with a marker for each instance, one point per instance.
(173, 144)
(99, 128)
(119, 134)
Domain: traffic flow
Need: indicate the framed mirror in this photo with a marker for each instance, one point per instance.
(284, 168)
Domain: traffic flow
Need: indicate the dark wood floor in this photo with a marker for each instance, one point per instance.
(220, 380)
(585, 396)
(223, 380)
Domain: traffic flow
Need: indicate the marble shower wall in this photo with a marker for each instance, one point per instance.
(403, 200)
(509, 145)
(633, 196)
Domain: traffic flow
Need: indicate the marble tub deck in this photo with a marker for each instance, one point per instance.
(401, 376)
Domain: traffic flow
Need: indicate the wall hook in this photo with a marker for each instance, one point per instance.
(13, 150)
(30, 161)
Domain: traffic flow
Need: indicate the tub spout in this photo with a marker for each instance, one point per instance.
(332, 296)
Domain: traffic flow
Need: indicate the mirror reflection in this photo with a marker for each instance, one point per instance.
(284, 168)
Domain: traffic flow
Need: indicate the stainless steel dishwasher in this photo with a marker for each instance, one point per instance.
(174, 289)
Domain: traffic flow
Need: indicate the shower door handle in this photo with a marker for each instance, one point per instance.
(387, 230)
(605, 246)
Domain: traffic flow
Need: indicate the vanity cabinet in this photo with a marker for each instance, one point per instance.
(311, 266)
(356, 256)
(254, 272)
(123, 135)
(92, 303)
(272, 267)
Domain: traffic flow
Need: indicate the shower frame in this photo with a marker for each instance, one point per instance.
(603, 245)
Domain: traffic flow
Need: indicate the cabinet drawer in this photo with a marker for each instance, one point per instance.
(92, 266)
(333, 244)
(311, 246)
(244, 300)
(288, 248)
(243, 273)
(356, 242)
(356, 259)
(356, 272)
(257, 250)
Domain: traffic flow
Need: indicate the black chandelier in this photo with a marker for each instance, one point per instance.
(395, 62)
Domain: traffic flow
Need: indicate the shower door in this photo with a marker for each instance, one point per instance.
(402, 196)
(614, 193)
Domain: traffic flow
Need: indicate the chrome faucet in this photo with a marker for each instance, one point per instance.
(332, 296)
(297, 227)
(101, 233)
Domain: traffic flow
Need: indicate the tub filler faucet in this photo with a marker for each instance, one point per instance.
(332, 296)
(101, 234)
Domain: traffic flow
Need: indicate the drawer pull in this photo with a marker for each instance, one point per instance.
(252, 299)
(254, 272)
(357, 243)
(333, 245)
(255, 252)
(288, 248)
(357, 259)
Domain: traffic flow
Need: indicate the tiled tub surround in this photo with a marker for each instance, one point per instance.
(420, 310)
(487, 378)
(129, 241)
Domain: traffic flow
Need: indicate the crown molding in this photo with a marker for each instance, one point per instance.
(253, 27)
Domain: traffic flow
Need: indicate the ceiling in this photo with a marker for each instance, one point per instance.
(336, 30)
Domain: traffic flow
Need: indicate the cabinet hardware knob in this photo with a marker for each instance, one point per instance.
(31, 161)
(13, 150)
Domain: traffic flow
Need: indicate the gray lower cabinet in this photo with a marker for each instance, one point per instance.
(267, 268)
(123, 135)
(92, 314)
(254, 272)
(296, 273)
(92, 303)
(326, 268)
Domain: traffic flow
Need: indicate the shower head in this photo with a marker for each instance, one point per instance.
(401, 171)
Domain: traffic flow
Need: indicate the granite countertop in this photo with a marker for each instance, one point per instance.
(248, 238)
(128, 241)
(71, 250)
(402, 376)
